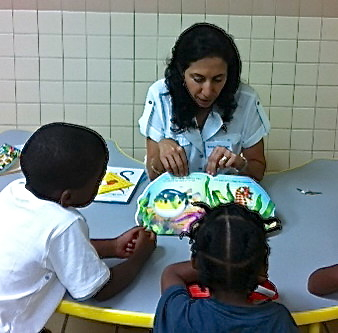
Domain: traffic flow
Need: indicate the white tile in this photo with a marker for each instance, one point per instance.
(245, 72)
(190, 19)
(306, 74)
(122, 47)
(322, 154)
(280, 117)
(7, 68)
(104, 131)
(76, 114)
(304, 96)
(99, 115)
(74, 46)
(50, 46)
(74, 23)
(285, 50)
(8, 113)
(221, 21)
(161, 66)
(301, 139)
(264, 92)
(123, 136)
(146, 24)
(138, 111)
(98, 47)
(281, 95)
(323, 140)
(283, 73)
(51, 113)
(75, 92)
(278, 160)
(325, 118)
(122, 24)
(165, 44)
(308, 51)
(25, 21)
(6, 21)
(243, 46)
(327, 96)
(260, 72)
(303, 118)
(328, 74)
(145, 70)
(279, 139)
(330, 28)
(309, 28)
(51, 92)
(98, 69)
(329, 51)
(261, 50)
(97, 23)
(263, 27)
(122, 92)
(141, 89)
(27, 68)
(28, 128)
(6, 45)
(28, 114)
(121, 114)
(51, 69)
(145, 47)
(299, 158)
(139, 154)
(27, 91)
(240, 26)
(122, 70)
(75, 69)
(26, 45)
(139, 140)
(169, 24)
(98, 92)
(49, 22)
(286, 27)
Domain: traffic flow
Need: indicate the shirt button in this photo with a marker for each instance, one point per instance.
(199, 168)
(201, 156)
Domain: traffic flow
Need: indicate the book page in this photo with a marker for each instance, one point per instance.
(118, 184)
(166, 205)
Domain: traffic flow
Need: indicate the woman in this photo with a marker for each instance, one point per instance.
(201, 117)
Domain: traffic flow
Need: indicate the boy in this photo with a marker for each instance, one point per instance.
(44, 243)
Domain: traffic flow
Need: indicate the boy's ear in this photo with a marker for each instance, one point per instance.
(66, 198)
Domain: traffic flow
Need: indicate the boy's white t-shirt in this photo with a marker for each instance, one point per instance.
(44, 251)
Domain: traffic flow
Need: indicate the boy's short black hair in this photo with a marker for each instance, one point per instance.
(61, 156)
(230, 248)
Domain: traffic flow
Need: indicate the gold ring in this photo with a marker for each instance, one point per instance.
(223, 159)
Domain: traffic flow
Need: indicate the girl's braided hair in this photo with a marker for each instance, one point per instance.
(230, 248)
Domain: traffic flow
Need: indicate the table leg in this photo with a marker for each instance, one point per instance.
(314, 328)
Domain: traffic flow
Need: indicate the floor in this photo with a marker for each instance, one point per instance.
(77, 325)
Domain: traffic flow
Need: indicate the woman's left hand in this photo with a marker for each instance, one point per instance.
(222, 158)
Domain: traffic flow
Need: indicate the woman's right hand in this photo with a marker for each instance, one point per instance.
(173, 157)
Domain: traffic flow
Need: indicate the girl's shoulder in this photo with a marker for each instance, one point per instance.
(246, 91)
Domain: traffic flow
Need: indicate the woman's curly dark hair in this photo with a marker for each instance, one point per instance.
(230, 248)
(199, 41)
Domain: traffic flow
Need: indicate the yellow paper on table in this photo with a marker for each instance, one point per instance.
(112, 182)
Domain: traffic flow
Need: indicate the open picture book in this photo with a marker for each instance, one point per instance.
(119, 184)
(166, 204)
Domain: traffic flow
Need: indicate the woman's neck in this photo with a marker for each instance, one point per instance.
(201, 117)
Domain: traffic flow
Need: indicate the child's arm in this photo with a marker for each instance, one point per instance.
(123, 274)
(119, 247)
(324, 281)
(181, 273)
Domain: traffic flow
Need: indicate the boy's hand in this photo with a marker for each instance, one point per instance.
(125, 243)
(145, 244)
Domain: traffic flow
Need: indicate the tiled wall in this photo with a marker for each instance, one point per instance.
(91, 62)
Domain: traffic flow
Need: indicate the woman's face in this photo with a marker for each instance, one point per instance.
(204, 79)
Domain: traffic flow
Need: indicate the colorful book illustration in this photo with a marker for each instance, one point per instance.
(9, 158)
(119, 184)
(166, 205)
